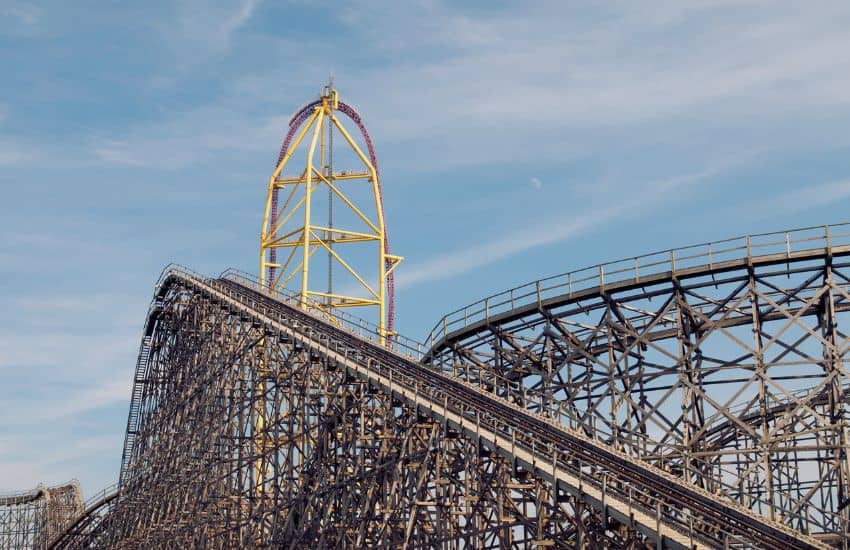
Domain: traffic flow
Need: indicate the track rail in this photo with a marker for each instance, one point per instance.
(31, 519)
(657, 503)
(787, 247)
(94, 506)
(25, 497)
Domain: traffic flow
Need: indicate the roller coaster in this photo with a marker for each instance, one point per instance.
(32, 519)
(530, 427)
(692, 398)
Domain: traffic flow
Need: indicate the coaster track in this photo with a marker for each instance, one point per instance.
(700, 405)
(31, 519)
(725, 363)
(630, 497)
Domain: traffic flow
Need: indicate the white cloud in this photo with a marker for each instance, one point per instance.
(809, 196)
(192, 137)
(99, 395)
(242, 15)
(203, 28)
(556, 80)
(60, 410)
(456, 263)
(549, 81)
(564, 227)
(45, 464)
(84, 345)
(65, 360)
(550, 68)
(536, 184)
(14, 152)
(120, 152)
(22, 13)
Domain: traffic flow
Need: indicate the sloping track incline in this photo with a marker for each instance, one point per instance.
(656, 503)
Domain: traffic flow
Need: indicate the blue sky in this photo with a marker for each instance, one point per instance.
(516, 140)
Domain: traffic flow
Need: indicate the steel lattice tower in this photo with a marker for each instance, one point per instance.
(294, 225)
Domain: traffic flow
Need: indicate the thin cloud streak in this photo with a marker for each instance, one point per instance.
(99, 394)
(21, 13)
(43, 464)
(13, 152)
(446, 266)
(459, 262)
(209, 25)
(812, 196)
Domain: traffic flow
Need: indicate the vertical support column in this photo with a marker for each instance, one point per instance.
(763, 407)
(690, 399)
(832, 368)
(308, 231)
(614, 402)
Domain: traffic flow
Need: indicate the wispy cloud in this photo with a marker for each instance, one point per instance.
(806, 197)
(195, 136)
(456, 263)
(87, 344)
(557, 80)
(120, 152)
(542, 83)
(203, 28)
(35, 456)
(14, 151)
(21, 13)
(99, 395)
(547, 67)
(528, 237)
(242, 15)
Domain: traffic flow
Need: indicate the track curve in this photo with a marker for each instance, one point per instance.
(30, 519)
(84, 531)
(637, 272)
(726, 363)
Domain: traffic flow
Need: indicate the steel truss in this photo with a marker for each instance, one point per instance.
(732, 375)
(363, 447)
(295, 226)
(33, 518)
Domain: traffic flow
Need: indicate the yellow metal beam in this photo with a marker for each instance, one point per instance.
(295, 208)
(393, 260)
(347, 201)
(343, 299)
(338, 176)
(366, 236)
(305, 268)
(317, 242)
(344, 264)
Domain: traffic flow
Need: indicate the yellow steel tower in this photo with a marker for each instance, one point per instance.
(295, 231)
